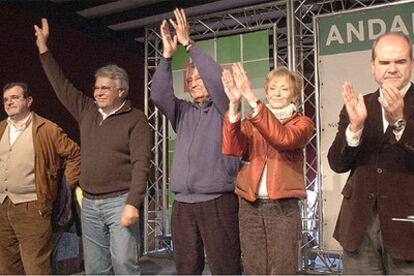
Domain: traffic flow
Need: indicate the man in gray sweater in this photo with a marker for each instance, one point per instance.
(205, 211)
(115, 154)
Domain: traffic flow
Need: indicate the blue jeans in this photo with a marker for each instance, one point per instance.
(109, 247)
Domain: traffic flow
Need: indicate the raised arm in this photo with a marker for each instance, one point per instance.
(243, 84)
(162, 92)
(169, 41)
(232, 93)
(234, 140)
(279, 136)
(209, 70)
(235, 137)
(42, 35)
(355, 107)
(341, 155)
(73, 99)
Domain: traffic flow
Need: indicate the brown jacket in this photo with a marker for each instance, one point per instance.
(381, 176)
(263, 139)
(54, 150)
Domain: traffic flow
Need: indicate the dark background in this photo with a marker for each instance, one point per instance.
(78, 54)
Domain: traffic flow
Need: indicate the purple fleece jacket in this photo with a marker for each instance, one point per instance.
(200, 172)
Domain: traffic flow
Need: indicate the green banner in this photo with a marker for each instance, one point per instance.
(356, 31)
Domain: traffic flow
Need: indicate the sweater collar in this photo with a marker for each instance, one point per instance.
(205, 105)
(106, 115)
(283, 113)
(125, 107)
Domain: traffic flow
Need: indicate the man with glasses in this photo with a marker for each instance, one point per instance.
(115, 139)
(205, 210)
(32, 151)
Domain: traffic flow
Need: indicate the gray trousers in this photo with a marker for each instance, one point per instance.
(372, 258)
(269, 236)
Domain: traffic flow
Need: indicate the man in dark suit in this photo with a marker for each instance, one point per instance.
(375, 143)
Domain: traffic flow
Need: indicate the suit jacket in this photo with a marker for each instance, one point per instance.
(381, 177)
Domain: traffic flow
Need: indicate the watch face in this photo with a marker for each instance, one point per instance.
(400, 124)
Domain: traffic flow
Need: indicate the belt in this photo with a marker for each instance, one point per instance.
(103, 196)
(279, 201)
(262, 197)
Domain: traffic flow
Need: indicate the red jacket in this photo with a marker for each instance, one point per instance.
(263, 139)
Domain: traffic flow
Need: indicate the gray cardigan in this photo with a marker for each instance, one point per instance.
(200, 172)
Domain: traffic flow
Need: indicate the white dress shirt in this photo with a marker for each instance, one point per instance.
(14, 131)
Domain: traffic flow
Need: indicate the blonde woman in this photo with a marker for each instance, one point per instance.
(270, 141)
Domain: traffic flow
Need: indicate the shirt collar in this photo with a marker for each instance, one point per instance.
(26, 122)
(105, 115)
(403, 90)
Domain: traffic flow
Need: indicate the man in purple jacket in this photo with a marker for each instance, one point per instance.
(205, 211)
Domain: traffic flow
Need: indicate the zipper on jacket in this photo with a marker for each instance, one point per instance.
(189, 188)
(261, 174)
(116, 113)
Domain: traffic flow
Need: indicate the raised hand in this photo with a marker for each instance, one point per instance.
(230, 88)
(392, 102)
(169, 43)
(42, 34)
(243, 83)
(355, 107)
(181, 26)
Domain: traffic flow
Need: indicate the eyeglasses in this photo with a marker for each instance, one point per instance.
(13, 98)
(191, 80)
(104, 89)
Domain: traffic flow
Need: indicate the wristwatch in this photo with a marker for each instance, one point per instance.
(188, 45)
(399, 124)
(254, 104)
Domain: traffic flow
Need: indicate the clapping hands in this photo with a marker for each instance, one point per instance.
(237, 84)
(182, 33)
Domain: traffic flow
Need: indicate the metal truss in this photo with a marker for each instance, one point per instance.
(291, 29)
(155, 210)
(266, 16)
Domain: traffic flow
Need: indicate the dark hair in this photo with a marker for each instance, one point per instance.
(26, 92)
(399, 34)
